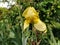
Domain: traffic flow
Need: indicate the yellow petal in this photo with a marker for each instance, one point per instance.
(45, 31)
(30, 12)
(26, 24)
(40, 25)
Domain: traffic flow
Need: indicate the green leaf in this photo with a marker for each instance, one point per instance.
(58, 42)
(56, 24)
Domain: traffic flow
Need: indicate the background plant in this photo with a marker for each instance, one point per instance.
(11, 23)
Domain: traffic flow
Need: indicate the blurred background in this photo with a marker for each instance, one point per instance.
(12, 21)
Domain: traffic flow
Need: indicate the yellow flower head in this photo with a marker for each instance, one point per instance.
(32, 16)
(30, 12)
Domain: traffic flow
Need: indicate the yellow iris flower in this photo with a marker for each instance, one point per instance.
(32, 16)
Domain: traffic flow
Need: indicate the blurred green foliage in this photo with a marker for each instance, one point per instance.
(11, 23)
